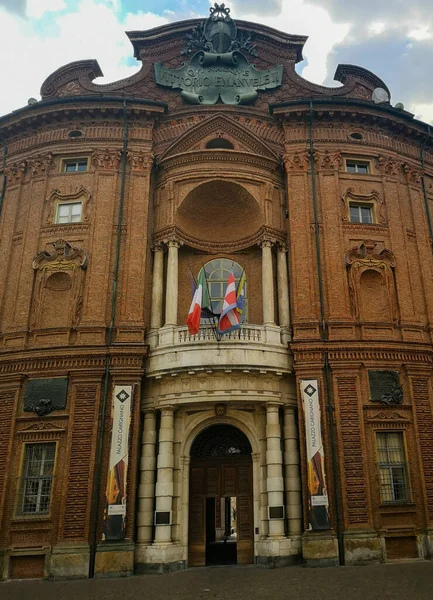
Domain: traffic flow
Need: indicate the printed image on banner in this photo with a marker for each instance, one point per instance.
(115, 493)
(318, 514)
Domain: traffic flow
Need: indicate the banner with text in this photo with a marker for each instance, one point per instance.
(115, 494)
(318, 514)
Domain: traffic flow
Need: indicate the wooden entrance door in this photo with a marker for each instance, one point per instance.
(225, 477)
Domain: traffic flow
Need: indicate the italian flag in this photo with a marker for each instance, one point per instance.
(200, 300)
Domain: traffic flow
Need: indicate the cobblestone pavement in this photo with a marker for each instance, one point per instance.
(406, 580)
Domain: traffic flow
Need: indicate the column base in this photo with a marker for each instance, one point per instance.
(273, 553)
(114, 559)
(159, 558)
(362, 548)
(70, 561)
(428, 544)
(320, 549)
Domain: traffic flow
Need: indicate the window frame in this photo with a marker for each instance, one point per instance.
(21, 491)
(360, 205)
(357, 162)
(74, 160)
(70, 221)
(390, 466)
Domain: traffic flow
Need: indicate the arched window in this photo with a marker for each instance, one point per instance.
(217, 274)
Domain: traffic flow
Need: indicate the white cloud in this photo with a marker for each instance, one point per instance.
(420, 33)
(37, 8)
(424, 112)
(302, 18)
(92, 31)
(377, 27)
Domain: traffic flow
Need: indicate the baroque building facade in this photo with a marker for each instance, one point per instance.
(127, 444)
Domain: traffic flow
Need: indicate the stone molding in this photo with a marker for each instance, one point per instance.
(176, 234)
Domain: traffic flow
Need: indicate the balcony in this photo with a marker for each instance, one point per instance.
(252, 348)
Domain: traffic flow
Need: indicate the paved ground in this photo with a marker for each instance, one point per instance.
(408, 581)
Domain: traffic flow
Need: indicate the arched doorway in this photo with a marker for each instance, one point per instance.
(221, 498)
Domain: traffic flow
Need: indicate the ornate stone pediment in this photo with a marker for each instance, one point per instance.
(366, 256)
(60, 256)
(220, 126)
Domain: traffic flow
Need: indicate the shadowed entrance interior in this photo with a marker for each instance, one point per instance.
(221, 503)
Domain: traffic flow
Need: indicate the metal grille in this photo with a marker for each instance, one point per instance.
(392, 467)
(217, 274)
(37, 479)
(221, 440)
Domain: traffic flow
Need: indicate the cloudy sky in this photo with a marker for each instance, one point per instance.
(393, 38)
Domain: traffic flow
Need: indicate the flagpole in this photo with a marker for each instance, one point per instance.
(212, 323)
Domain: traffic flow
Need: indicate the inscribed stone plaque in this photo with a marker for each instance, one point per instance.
(45, 395)
(384, 386)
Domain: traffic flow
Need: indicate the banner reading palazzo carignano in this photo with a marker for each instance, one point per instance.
(115, 493)
(318, 514)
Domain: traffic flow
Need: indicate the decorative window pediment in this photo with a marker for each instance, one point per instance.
(371, 200)
(56, 198)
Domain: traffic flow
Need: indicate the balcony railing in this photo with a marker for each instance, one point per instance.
(247, 333)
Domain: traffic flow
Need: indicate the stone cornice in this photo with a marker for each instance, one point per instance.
(59, 109)
(218, 157)
(76, 360)
(360, 352)
(175, 233)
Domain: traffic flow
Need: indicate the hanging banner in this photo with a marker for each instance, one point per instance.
(318, 514)
(115, 493)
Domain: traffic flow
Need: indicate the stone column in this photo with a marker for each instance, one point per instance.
(267, 283)
(274, 464)
(146, 489)
(164, 483)
(157, 286)
(283, 288)
(172, 283)
(292, 472)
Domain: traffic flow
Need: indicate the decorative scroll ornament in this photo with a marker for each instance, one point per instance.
(43, 407)
(60, 256)
(218, 69)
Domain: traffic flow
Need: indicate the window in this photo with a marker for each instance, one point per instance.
(69, 212)
(392, 467)
(74, 165)
(217, 274)
(37, 479)
(357, 166)
(220, 143)
(360, 213)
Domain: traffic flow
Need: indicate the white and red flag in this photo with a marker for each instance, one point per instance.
(229, 317)
(200, 300)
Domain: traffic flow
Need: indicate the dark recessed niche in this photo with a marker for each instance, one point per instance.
(220, 143)
(356, 136)
(75, 133)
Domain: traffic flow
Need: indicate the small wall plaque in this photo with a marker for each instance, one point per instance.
(162, 517)
(276, 512)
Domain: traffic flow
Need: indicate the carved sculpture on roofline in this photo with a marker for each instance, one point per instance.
(219, 69)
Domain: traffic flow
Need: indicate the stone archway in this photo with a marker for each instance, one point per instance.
(221, 498)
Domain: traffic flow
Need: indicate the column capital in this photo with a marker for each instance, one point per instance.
(159, 247)
(282, 247)
(266, 243)
(167, 409)
(173, 243)
(149, 411)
